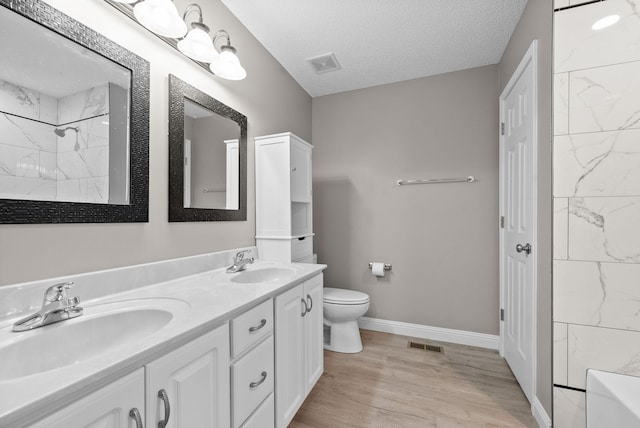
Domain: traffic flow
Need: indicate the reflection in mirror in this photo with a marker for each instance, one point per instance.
(74, 121)
(211, 159)
(63, 127)
(207, 157)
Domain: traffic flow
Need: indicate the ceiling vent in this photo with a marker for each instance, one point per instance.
(324, 63)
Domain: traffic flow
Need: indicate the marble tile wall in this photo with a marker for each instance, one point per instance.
(596, 199)
(37, 164)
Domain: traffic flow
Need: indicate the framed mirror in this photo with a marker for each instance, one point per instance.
(74, 121)
(207, 157)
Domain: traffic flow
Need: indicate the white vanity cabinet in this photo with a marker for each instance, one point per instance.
(299, 346)
(284, 227)
(190, 385)
(113, 406)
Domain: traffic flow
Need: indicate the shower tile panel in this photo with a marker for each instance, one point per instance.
(577, 46)
(27, 163)
(16, 131)
(597, 164)
(557, 4)
(92, 133)
(85, 163)
(48, 166)
(560, 228)
(27, 103)
(604, 229)
(601, 348)
(569, 409)
(560, 350)
(597, 294)
(92, 190)
(8, 159)
(561, 104)
(605, 98)
(83, 105)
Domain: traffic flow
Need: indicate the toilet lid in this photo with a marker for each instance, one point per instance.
(345, 297)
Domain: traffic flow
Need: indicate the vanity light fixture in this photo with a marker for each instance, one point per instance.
(605, 22)
(197, 44)
(161, 17)
(227, 65)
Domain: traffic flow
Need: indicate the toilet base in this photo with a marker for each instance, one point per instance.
(342, 337)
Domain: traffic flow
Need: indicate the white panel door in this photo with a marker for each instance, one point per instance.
(109, 407)
(289, 307)
(313, 333)
(518, 259)
(195, 379)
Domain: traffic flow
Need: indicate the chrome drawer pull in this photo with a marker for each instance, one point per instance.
(310, 303)
(263, 322)
(162, 394)
(135, 414)
(254, 385)
(306, 309)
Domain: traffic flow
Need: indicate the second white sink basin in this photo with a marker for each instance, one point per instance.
(270, 274)
(101, 329)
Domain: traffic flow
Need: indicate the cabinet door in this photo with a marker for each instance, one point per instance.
(289, 335)
(313, 333)
(108, 407)
(195, 379)
(300, 173)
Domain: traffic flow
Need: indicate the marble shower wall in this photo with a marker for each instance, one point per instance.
(596, 191)
(37, 164)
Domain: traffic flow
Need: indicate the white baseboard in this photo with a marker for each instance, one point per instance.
(543, 419)
(461, 337)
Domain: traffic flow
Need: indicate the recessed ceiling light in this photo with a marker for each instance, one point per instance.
(605, 22)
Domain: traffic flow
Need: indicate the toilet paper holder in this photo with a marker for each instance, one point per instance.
(387, 266)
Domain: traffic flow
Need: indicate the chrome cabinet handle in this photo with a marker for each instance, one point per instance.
(254, 385)
(263, 322)
(135, 414)
(526, 248)
(162, 394)
(310, 303)
(306, 309)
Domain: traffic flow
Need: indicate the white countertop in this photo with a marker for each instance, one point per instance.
(199, 302)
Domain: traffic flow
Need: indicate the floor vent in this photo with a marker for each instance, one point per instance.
(426, 347)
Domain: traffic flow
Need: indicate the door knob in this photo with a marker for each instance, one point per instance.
(526, 248)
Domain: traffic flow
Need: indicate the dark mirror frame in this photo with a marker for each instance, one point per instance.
(178, 91)
(17, 211)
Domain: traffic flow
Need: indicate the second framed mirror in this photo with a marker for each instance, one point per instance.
(207, 157)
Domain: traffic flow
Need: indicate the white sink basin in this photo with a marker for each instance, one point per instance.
(612, 400)
(102, 328)
(270, 274)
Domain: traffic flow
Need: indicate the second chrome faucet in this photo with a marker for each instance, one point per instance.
(240, 262)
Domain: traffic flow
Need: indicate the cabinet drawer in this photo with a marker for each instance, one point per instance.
(252, 380)
(263, 417)
(251, 326)
(301, 248)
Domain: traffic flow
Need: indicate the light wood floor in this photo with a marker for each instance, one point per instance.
(389, 385)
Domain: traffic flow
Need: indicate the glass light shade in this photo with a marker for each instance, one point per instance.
(228, 66)
(126, 1)
(198, 45)
(161, 17)
(605, 22)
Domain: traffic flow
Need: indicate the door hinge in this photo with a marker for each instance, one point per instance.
(502, 128)
(502, 222)
(501, 314)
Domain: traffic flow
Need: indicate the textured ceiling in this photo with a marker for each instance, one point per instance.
(379, 41)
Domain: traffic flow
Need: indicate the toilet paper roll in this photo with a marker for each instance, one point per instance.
(377, 269)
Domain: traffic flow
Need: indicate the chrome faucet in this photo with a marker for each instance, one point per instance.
(56, 306)
(239, 262)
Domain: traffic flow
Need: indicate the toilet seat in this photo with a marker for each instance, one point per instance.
(340, 296)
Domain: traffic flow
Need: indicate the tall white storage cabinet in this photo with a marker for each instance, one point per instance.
(284, 208)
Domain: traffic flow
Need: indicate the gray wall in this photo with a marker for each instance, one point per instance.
(269, 97)
(537, 23)
(441, 238)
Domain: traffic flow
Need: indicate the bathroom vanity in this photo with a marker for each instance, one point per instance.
(179, 341)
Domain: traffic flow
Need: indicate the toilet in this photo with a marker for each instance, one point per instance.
(341, 309)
